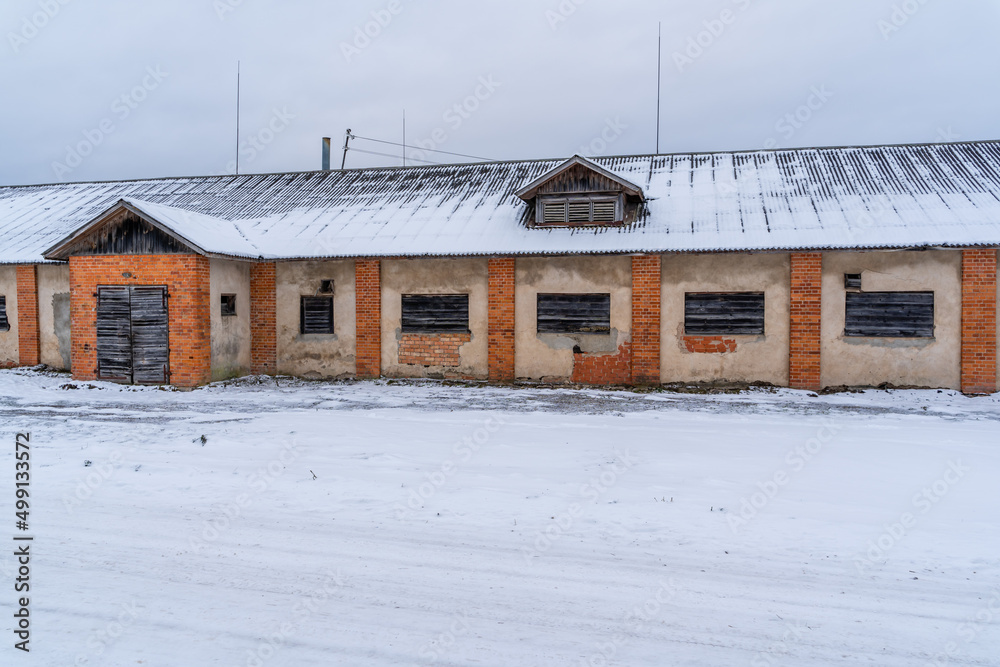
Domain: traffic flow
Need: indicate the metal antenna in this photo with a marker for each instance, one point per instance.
(237, 117)
(404, 137)
(659, 79)
(347, 141)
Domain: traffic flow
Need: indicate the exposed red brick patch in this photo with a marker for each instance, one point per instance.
(709, 344)
(604, 369)
(501, 319)
(29, 350)
(263, 318)
(979, 321)
(187, 280)
(368, 287)
(432, 349)
(805, 348)
(646, 285)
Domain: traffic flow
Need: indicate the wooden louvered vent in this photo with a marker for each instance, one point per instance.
(554, 213)
(604, 211)
(579, 211)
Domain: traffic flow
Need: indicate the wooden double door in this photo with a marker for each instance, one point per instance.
(133, 345)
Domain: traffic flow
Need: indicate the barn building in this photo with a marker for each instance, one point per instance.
(807, 268)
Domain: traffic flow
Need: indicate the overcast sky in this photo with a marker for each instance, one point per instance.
(119, 89)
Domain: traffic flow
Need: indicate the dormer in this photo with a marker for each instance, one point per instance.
(580, 193)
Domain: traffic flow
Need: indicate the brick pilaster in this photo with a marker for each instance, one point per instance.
(27, 316)
(646, 282)
(806, 307)
(501, 319)
(368, 290)
(263, 319)
(979, 321)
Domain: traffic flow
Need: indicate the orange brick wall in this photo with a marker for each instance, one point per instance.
(263, 319)
(604, 369)
(27, 316)
(709, 344)
(432, 349)
(368, 289)
(806, 305)
(187, 279)
(501, 319)
(979, 321)
(646, 282)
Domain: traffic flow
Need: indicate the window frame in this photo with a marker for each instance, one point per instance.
(547, 325)
(752, 329)
(225, 303)
(303, 299)
(4, 321)
(409, 327)
(914, 331)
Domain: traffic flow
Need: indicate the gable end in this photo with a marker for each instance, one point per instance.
(125, 233)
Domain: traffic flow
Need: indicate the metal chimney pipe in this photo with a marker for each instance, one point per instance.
(326, 153)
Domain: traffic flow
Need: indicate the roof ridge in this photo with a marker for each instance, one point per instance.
(598, 159)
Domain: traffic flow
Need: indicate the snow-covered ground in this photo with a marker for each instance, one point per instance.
(388, 523)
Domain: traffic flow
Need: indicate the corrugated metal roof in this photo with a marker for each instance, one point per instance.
(854, 197)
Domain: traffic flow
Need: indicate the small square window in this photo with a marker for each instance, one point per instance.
(4, 324)
(326, 287)
(852, 281)
(316, 315)
(228, 305)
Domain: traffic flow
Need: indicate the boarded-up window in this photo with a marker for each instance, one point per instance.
(574, 313)
(890, 314)
(425, 313)
(718, 314)
(317, 315)
(4, 324)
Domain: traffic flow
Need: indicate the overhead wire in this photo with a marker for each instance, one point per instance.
(361, 150)
(420, 148)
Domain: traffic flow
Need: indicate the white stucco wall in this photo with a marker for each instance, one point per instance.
(920, 362)
(231, 334)
(550, 356)
(316, 356)
(757, 358)
(436, 276)
(53, 315)
(9, 349)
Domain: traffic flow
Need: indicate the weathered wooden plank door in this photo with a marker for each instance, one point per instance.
(150, 342)
(114, 334)
(132, 335)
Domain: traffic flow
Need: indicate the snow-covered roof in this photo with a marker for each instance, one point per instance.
(824, 198)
